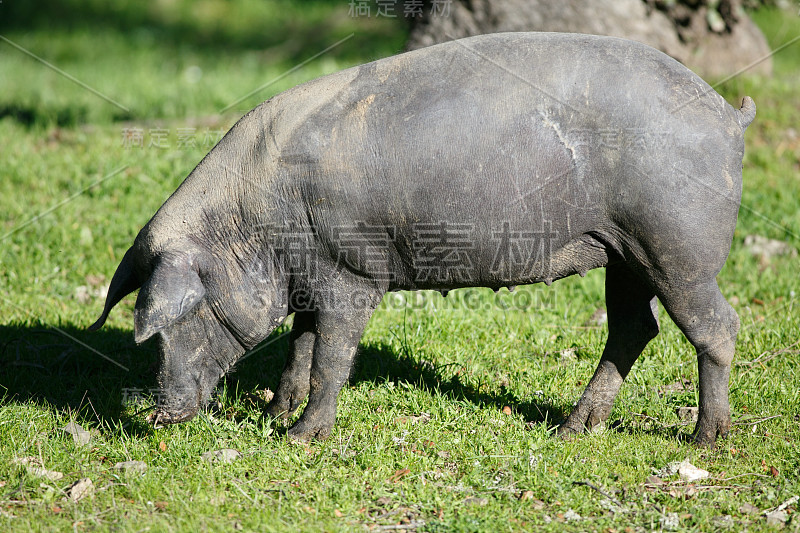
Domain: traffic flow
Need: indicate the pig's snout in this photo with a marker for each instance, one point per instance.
(179, 404)
(162, 417)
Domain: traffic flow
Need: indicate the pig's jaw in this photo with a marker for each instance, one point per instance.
(161, 417)
(187, 377)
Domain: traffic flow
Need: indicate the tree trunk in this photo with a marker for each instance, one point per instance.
(713, 37)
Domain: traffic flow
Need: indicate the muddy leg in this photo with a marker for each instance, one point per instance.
(294, 384)
(632, 323)
(334, 352)
(711, 325)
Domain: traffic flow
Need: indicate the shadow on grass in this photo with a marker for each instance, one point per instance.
(629, 426)
(71, 371)
(377, 363)
(91, 376)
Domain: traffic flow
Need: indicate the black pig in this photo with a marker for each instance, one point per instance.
(490, 161)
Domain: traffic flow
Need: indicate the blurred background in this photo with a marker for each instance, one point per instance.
(183, 58)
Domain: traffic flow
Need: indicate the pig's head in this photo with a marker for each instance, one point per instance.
(205, 309)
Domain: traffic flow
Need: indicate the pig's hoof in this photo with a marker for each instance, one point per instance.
(300, 433)
(579, 421)
(283, 409)
(567, 432)
(704, 439)
(283, 405)
(706, 433)
(279, 410)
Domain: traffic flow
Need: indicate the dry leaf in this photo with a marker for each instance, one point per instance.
(423, 418)
(777, 518)
(598, 318)
(689, 472)
(162, 446)
(131, 466)
(225, 455)
(687, 414)
(670, 521)
(749, 508)
(567, 355)
(80, 489)
(766, 248)
(79, 435)
(722, 522)
(682, 385)
(265, 394)
(399, 474)
(34, 467)
(95, 280)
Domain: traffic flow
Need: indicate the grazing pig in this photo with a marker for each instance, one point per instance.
(490, 161)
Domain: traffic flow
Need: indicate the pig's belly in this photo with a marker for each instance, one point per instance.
(516, 258)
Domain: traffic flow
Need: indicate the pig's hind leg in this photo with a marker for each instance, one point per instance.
(632, 323)
(711, 325)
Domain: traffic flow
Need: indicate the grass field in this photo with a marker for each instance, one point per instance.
(448, 422)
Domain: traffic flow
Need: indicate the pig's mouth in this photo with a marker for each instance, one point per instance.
(162, 417)
(187, 380)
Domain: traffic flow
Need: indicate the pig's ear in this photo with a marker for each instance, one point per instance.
(172, 290)
(123, 283)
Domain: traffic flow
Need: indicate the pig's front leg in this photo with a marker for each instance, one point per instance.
(294, 384)
(338, 334)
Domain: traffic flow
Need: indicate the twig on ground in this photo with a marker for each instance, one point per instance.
(601, 491)
(723, 487)
(744, 475)
(769, 355)
(397, 527)
(753, 421)
(791, 501)
(242, 491)
(22, 502)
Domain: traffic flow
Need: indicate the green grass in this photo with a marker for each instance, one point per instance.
(464, 469)
(175, 59)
